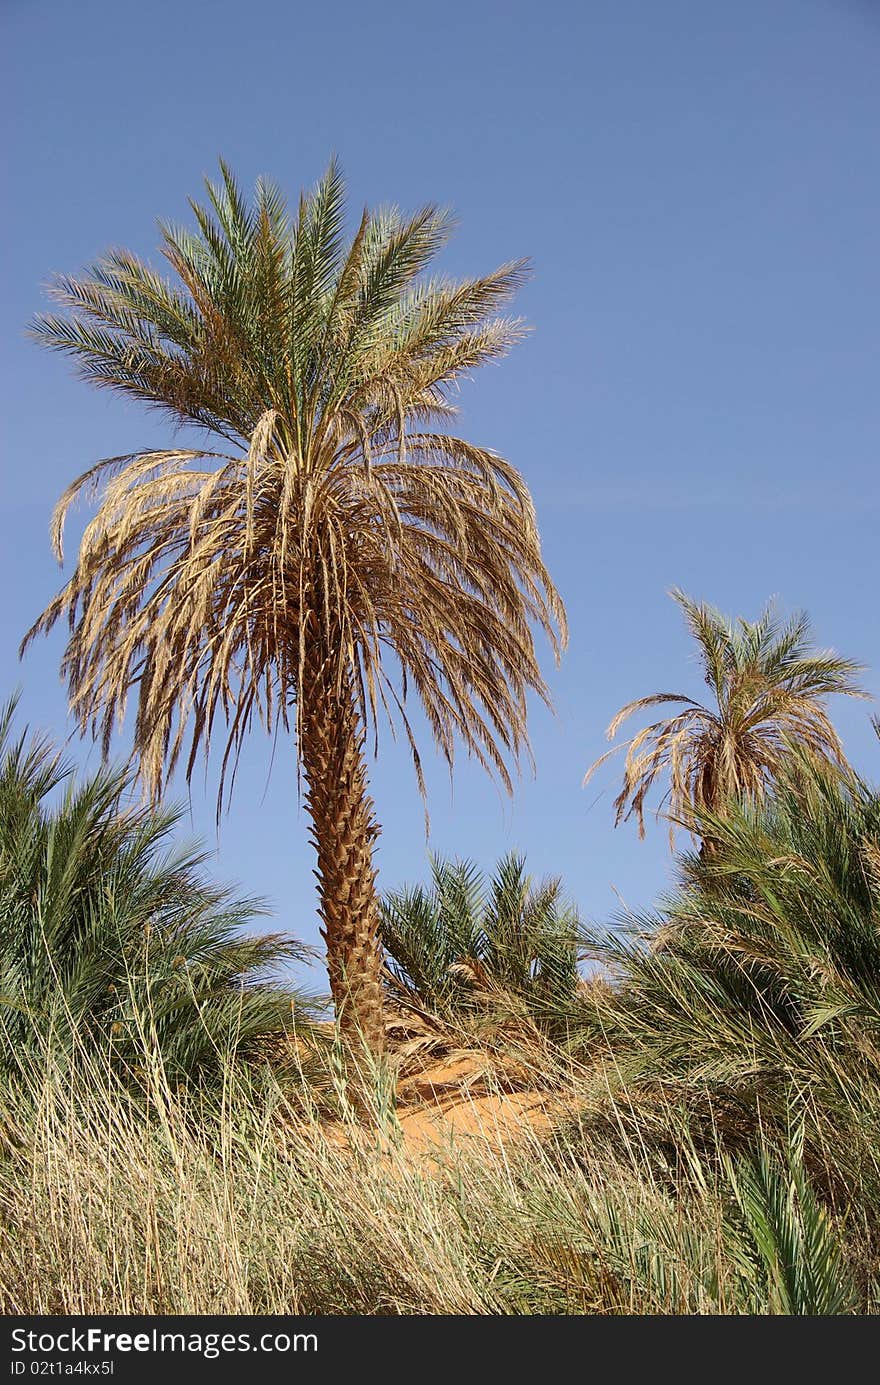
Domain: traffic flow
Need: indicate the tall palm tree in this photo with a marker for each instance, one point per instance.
(769, 688)
(329, 527)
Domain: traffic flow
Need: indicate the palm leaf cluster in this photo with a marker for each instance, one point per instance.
(794, 1239)
(465, 942)
(114, 943)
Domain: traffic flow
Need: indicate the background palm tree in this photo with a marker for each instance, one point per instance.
(331, 524)
(112, 940)
(769, 688)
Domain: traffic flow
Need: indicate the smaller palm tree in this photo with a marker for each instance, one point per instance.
(769, 687)
(464, 940)
(112, 940)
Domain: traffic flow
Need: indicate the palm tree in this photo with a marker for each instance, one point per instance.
(112, 939)
(769, 688)
(466, 938)
(330, 526)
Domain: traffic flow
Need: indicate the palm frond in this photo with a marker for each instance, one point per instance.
(467, 941)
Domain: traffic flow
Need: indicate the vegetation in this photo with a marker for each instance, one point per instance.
(717, 1090)
(676, 1114)
(106, 1203)
(753, 998)
(114, 943)
(769, 688)
(330, 531)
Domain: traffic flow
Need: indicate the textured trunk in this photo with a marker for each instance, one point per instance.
(343, 830)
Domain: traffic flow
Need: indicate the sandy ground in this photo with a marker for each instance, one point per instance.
(448, 1103)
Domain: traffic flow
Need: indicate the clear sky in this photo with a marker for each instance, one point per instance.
(697, 184)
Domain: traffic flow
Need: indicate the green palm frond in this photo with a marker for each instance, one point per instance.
(794, 1237)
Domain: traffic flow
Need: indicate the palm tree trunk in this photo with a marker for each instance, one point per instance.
(344, 830)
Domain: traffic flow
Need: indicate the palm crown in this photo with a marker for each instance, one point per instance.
(769, 688)
(331, 519)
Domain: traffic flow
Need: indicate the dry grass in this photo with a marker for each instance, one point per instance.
(254, 1204)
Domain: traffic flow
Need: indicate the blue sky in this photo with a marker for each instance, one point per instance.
(698, 402)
